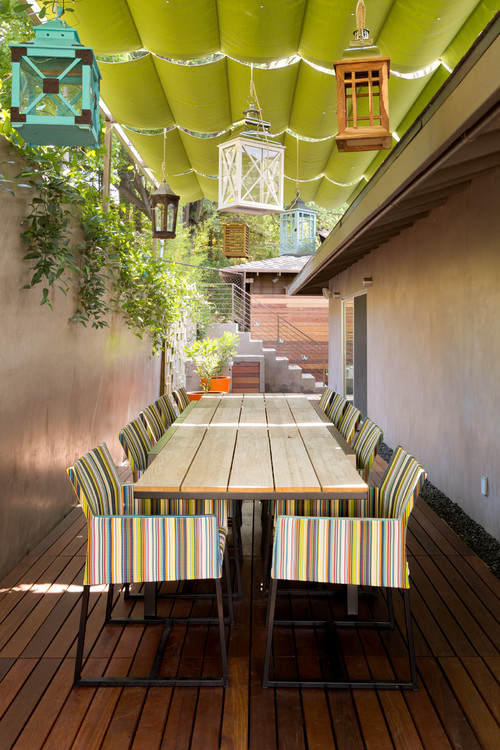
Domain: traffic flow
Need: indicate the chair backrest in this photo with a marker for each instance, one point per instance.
(181, 398)
(169, 409)
(400, 485)
(136, 444)
(96, 483)
(325, 399)
(336, 409)
(349, 422)
(366, 446)
(153, 422)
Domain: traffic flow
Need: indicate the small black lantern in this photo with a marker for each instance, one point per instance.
(165, 205)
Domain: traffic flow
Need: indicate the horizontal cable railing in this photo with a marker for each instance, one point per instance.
(229, 302)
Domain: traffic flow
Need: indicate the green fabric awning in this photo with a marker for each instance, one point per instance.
(193, 71)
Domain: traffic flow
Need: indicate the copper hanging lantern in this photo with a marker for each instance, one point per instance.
(165, 205)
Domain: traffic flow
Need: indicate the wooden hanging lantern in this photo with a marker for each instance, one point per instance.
(363, 95)
(363, 104)
(236, 239)
(165, 205)
(55, 88)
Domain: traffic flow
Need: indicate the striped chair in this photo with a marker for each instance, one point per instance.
(349, 422)
(167, 409)
(125, 547)
(136, 443)
(153, 422)
(366, 446)
(325, 399)
(336, 409)
(367, 551)
(181, 398)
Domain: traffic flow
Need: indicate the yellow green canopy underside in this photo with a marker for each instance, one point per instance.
(199, 101)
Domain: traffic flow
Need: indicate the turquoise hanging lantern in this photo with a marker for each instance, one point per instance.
(55, 88)
(298, 229)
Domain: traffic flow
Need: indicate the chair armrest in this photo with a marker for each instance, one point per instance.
(136, 549)
(361, 551)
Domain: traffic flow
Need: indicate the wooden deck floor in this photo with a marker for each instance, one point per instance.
(456, 608)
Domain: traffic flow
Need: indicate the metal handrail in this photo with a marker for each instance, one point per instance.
(239, 306)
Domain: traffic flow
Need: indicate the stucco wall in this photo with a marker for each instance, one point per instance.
(64, 389)
(434, 344)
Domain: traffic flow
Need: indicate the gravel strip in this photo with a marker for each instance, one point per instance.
(486, 547)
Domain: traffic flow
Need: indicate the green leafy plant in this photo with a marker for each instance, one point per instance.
(211, 356)
(47, 234)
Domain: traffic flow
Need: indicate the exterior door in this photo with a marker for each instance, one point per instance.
(355, 350)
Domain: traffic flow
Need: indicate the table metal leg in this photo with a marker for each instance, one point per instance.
(352, 600)
(149, 600)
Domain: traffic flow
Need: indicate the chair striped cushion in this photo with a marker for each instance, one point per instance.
(366, 446)
(181, 398)
(160, 506)
(153, 422)
(349, 422)
(136, 444)
(96, 483)
(400, 486)
(365, 552)
(342, 507)
(325, 399)
(336, 409)
(170, 411)
(135, 549)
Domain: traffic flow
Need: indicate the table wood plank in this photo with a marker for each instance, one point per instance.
(333, 469)
(292, 467)
(211, 467)
(252, 468)
(170, 466)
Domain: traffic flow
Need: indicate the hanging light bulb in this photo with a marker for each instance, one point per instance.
(251, 166)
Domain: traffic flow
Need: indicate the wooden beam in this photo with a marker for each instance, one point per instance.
(108, 140)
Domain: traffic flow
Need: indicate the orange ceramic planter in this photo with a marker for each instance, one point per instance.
(220, 384)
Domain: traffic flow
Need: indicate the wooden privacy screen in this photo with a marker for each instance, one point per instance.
(246, 377)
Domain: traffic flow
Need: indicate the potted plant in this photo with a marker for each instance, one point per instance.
(210, 358)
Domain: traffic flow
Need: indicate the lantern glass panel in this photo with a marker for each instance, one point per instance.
(170, 217)
(158, 215)
(63, 86)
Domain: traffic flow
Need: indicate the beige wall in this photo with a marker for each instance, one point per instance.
(434, 344)
(64, 389)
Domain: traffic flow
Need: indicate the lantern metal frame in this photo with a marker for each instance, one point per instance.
(55, 88)
(293, 222)
(165, 206)
(251, 169)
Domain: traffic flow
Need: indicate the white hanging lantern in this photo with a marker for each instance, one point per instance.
(251, 170)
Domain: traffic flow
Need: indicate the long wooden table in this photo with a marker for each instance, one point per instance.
(260, 446)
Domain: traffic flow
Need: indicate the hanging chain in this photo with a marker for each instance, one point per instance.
(164, 163)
